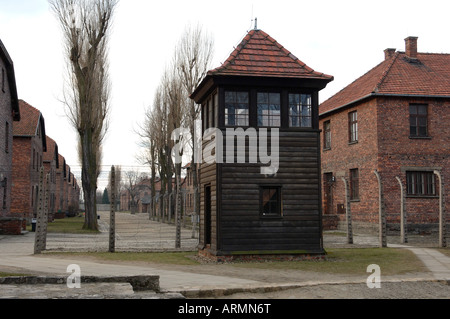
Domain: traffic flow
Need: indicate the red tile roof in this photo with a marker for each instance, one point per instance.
(429, 75)
(61, 164)
(260, 55)
(51, 153)
(29, 120)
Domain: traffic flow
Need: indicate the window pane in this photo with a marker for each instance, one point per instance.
(236, 108)
(242, 97)
(422, 121)
(300, 110)
(270, 202)
(422, 109)
(274, 99)
(230, 97)
(216, 110)
(421, 183)
(269, 109)
(422, 131)
(263, 98)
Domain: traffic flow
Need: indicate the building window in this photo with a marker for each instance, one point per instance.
(354, 184)
(420, 183)
(236, 109)
(7, 137)
(216, 110)
(211, 113)
(418, 115)
(269, 109)
(327, 135)
(353, 127)
(300, 110)
(271, 201)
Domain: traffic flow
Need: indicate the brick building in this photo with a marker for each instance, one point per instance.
(9, 112)
(140, 193)
(394, 119)
(73, 196)
(51, 164)
(29, 145)
(61, 186)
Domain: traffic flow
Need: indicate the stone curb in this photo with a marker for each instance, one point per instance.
(139, 283)
(199, 292)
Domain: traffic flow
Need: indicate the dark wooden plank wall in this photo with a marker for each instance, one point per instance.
(243, 229)
(208, 178)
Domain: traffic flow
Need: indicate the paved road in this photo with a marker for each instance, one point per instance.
(214, 281)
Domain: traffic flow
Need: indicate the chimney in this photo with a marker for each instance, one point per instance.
(411, 47)
(389, 53)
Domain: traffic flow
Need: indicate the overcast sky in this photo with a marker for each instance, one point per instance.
(341, 38)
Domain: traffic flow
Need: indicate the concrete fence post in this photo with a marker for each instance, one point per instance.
(442, 216)
(403, 222)
(382, 213)
(348, 212)
(40, 214)
(112, 214)
(46, 212)
(178, 212)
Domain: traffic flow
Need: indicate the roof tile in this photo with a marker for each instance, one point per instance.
(429, 75)
(29, 120)
(260, 55)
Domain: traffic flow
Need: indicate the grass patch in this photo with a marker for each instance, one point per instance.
(392, 261)
(73, 225)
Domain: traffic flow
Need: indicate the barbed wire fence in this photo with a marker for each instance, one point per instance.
(148, 224)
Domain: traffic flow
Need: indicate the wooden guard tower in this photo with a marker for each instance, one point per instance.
(246, 209)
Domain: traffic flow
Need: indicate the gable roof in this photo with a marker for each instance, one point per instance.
(259, 54)
(52, 152)
(426, 76)
(30, 120)
(4, 55)
(61, 165)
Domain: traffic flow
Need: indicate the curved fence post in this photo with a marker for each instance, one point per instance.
(382, 213)
(348, 213)
(403, 224)
(442, 219)
(38, 239)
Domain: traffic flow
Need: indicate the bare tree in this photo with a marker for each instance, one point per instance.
(131, 181)
(149, 131)
(85, 25)
(193, 55)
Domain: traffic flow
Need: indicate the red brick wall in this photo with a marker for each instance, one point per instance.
(5, 155)
(399, 153)
(25, 176)
(344, 156)
(384, 144)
